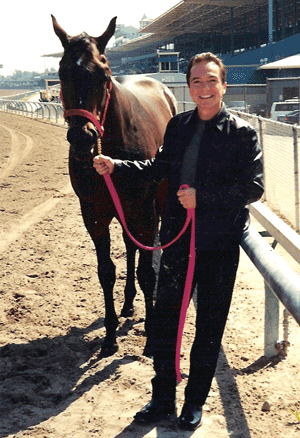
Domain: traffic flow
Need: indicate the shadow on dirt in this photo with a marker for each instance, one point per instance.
(262, 363)
(233, 410)
(43, 377)
(237, 425)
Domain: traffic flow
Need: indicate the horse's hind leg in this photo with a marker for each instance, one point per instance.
(130, 289)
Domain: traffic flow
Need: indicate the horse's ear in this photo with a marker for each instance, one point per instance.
(62, 35)
(106, 36)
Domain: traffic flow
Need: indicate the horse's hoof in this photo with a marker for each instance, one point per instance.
(108, 350)
(127, 311)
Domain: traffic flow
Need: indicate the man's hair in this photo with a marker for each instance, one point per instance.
(208, 57)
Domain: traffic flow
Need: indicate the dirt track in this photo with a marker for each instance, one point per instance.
(52, 383)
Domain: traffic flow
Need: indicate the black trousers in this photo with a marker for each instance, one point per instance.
(214, 276)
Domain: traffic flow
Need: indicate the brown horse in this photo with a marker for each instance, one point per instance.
(137, 115)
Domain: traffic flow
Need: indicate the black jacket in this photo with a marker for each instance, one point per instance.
(229, 176)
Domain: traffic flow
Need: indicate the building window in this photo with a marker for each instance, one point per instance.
(165, 66)
(169, 66)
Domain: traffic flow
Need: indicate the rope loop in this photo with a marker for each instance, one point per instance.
(190, 218)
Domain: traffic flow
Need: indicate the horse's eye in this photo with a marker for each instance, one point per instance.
(103, 59)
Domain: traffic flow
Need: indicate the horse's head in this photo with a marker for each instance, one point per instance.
(85, 74)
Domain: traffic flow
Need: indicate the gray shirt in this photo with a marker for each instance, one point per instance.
(190, 158)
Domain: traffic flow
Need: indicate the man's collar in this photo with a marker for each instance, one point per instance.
(218, 121)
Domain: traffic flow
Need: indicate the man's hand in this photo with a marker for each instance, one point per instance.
(104, 164)
(187, 197)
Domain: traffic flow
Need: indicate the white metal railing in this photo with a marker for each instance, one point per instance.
(42, 110)
(281, 282)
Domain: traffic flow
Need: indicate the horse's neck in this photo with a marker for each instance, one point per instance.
(120, 123)
(123, 133)
(121, 101)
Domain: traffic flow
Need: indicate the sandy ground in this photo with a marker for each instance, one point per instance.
(4, 92)
(52, 382)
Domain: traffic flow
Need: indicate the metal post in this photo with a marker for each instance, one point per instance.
(270, 21)
(232, 30)
(283, 19)
(245, 29)
(271, 322)
(296, 179)
(286, 315)
(294, 16)
(298, 100)
(221, 41)
(261, 140)
(259, 27)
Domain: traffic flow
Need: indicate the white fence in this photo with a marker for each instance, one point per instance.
(280, 144)
(50, 111)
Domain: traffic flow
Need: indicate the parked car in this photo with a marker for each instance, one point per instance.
(292, 118)
(239, 105)
(283, 108)
(281, 118)
(260, 109)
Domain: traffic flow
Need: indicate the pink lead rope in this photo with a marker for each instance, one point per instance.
(189, 218)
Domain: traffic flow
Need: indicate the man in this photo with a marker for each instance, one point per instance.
(218, 156)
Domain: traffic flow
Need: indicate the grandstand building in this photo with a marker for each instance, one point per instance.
(246, 34)
(250, 36)
(124, 34)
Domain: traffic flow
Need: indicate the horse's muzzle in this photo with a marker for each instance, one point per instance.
(82, 140)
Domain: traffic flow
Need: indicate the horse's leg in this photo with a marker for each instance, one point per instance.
(130, 289)
(98, 229)
(147, 278)
(107, 278)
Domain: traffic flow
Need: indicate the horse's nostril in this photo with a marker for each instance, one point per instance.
(94, 135)
(79, 136)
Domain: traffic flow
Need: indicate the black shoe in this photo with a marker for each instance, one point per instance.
(190, 417)
(154, 411)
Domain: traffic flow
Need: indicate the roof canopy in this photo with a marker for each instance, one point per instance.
(289, 62)
(196, 16)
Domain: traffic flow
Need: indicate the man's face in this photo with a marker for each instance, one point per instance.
(206, 88)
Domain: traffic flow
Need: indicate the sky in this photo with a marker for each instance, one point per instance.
(26, 31)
